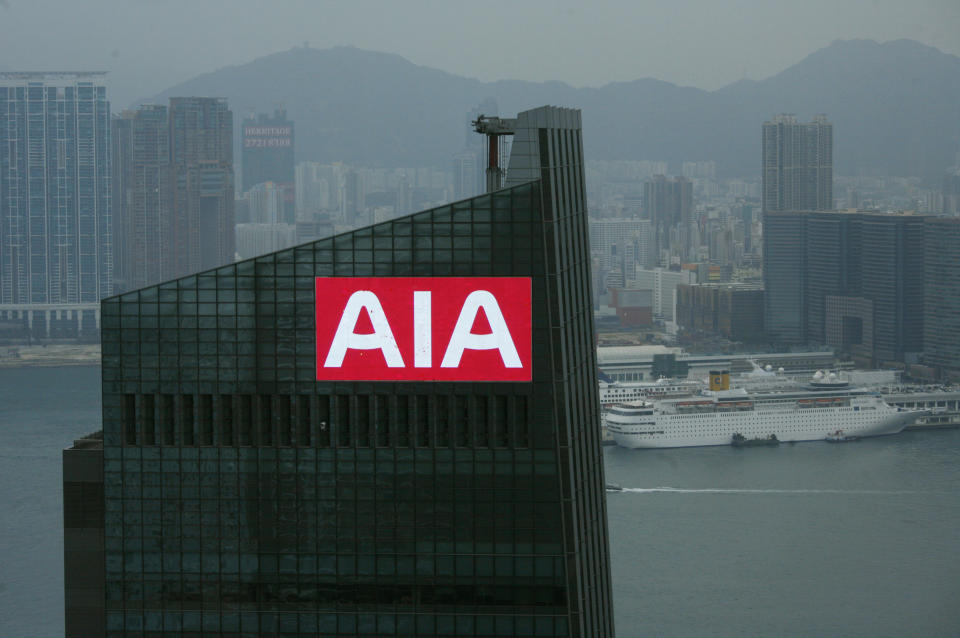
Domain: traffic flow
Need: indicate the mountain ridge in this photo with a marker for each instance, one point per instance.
(375, 108)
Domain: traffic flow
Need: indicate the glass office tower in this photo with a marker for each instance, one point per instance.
(245, 498)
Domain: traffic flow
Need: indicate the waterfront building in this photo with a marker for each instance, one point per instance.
(783, 262)
(141, 197)
(852, 280)
(650, 362)
(253, 485)
(941, 294)
(267, 155)
(201, 162)
(797, 164)
(56, 235)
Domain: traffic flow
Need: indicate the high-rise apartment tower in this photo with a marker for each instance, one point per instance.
(201, 157)
(55, 201)
(141, 197)
(797, 169)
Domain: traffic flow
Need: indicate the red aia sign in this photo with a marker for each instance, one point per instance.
(423, 329)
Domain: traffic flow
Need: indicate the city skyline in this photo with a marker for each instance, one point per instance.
(299, 337)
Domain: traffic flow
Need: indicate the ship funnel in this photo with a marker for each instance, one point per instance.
(725, 379)
(716, 380)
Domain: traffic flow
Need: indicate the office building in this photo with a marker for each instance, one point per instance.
(668, 201)
(141, 197)
(246, 492)
(797, 164)
(730, 310)
(941, 295)
(201, 158)
(783, 262)
(849, 280)
(267, 155)
(56, 234)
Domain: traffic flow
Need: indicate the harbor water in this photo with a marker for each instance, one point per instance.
(809, 539)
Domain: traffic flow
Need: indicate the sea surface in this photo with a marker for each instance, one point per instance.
(806, 539)
(42, 410)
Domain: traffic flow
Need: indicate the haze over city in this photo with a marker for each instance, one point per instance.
(488, 319)
(151, 44)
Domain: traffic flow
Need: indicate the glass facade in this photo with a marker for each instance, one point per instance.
(941, 294)
(811, 257)
(783, 277)
(244, 498)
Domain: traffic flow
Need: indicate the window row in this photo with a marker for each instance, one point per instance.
(308, 595)
(194, 623)
(380, 420)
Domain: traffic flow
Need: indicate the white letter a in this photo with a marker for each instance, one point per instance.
(499, 337)
(381, 338)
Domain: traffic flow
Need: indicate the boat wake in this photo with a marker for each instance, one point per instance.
(731, 490)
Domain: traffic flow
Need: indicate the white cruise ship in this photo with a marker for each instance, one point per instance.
(614, 393)
(713, 417)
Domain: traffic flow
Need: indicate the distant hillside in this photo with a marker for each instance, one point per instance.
(894, 106)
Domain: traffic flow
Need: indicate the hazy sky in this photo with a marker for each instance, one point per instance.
(151, 44)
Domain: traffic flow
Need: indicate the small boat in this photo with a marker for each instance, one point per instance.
(840, 437)
(613, 487)
(738, 440)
